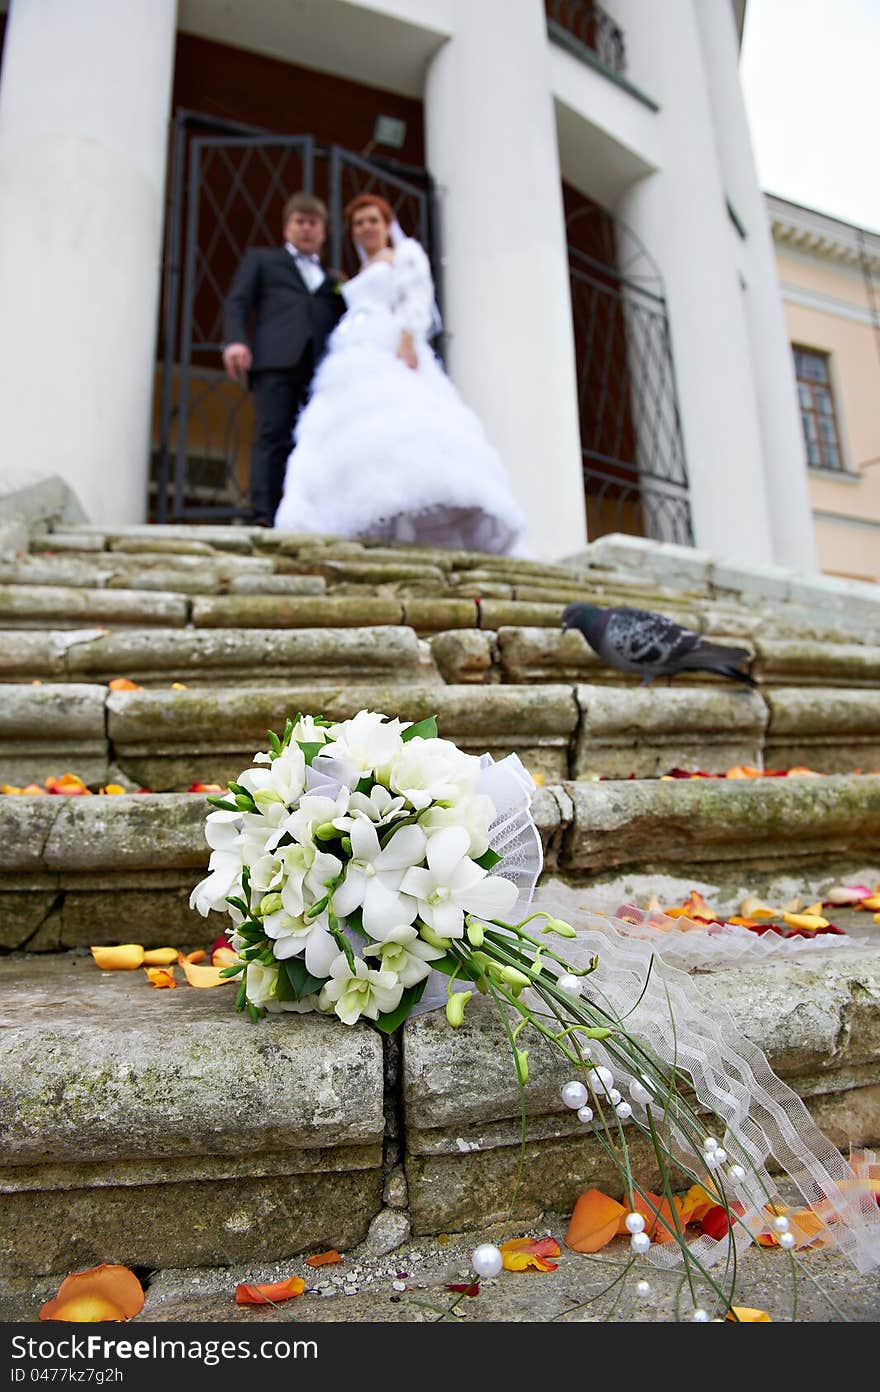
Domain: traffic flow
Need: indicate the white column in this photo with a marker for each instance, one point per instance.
(491, 146)
(679, 213)
(785, 469)
(84, 107)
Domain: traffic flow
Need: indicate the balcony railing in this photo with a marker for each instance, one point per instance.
(589, 26)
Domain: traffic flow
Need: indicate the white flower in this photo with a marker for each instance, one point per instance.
(475, 813)
(373, 876)
(260, 988)
(403, 952)
(300, 937)
(300, 874)
(305, 731)
(453, 885)
(315, 810)
(224, 876)
(365, 742)
(284, 780)
(379, 806)
(431, 770)
(351, 994)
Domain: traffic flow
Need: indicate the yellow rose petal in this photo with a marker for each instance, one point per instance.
(125, 957)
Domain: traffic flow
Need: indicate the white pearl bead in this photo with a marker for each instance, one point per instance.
(781, 1223)
(624, 1111)
(487, 1260)
(613, 1096)
(720, 1155)
(640, 1242)
(710, 1160)
(787, 1241)
(585, 1114)
(710, 1143)
(700, 1316)
(569, 983)
(737, 1172)
(643, 1289)
(639, 1093)
(604, 1076)
(635, 1223)
(574, 1094)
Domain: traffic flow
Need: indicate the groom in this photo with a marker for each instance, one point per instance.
(293, 304)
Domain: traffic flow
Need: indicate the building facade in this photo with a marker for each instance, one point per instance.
(829, 273)
(584, 176)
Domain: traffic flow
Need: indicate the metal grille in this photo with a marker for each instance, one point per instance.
(634, 470)
(228, 188)
(591, 27)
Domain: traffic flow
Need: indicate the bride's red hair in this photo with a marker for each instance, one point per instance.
(369, 200)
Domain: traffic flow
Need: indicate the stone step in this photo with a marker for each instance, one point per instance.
(248, 656)
(165, 740)
(110, 1130)
(75, 869)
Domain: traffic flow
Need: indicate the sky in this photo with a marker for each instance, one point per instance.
(809, 71)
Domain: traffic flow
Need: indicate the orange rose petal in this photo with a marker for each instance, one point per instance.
(747, 1314)
(198, 956)
(324, 1258)
(103, 1292)
(594, 1221)
(160, 977)
(743, 771)
(696, 1204)
(659, 1223)
(113, 790)
(271, 1293)
(204, 977)
(125, 957)
(123, 684)
(160, 956)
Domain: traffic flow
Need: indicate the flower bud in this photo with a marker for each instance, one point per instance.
(560, 928)
(244, 803)
(512, 976)
(325, 832)
(269, 904)
(475, 933)
(455, 1007)
(521, 1063)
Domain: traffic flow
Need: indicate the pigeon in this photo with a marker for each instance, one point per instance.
(650, 645)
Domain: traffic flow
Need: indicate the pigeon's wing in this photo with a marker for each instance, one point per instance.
(647, 639)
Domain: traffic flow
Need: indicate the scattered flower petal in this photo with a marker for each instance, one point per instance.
(123, 684)
(204, 977)
(271, 1293)
(595, 1220)
(104, 1292)
(160, 977)
(160, 956)
(529, 1253)
(125, 957)
(747, 1314)
(324, 1258)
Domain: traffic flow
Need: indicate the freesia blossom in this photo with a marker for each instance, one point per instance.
(315, 810)
(285, 776)
(373, 877)
(300, 873)
(302, 937)
(365, 742)
(224, 877)
(351, 994)
(431, 770)
(403, 952)
(475, 813)
(453, 885)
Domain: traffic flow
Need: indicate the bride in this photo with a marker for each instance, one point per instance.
(385, 448)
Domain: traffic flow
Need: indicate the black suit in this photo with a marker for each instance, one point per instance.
(290, 329)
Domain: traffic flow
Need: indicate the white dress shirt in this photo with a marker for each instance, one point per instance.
(309, 267)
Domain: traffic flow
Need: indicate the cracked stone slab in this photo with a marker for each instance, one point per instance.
(52, 729)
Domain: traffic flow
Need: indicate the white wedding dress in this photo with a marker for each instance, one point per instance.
(384, 451)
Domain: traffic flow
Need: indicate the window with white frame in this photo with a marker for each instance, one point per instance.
(812, 370)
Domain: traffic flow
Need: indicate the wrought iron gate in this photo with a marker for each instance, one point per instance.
(634, 469)
(228, 187)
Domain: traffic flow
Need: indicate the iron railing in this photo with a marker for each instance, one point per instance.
(589, 26)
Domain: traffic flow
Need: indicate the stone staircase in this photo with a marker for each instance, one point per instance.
(297, 1134)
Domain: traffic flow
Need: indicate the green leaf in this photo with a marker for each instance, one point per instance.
(256, 1012)
(342, 941)
(238, 904)
(310, 748)
(411, 996)
(365, 785)
(424, 729)
(274, 742)
(297, 979)
(488, 859)
(217, 800)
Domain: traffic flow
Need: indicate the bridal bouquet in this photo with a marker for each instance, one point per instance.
(357, 857)
(370, 868)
